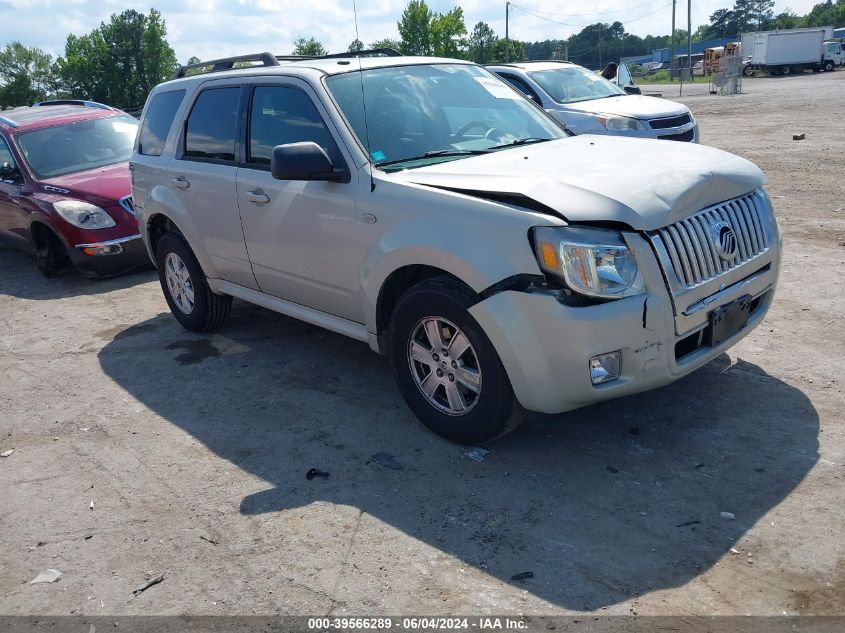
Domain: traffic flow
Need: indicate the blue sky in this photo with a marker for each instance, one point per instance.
(216, 28)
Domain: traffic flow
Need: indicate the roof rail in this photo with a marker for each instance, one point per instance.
(227, 63)
(8, 121)
(385, 52)
(78, 102)
(373, 52)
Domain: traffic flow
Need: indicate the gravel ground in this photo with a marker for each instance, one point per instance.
(142, 449)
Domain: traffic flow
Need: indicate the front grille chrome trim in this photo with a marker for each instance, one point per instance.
(692, 257)
(127, 204)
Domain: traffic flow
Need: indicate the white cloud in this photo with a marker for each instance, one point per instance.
(214, 28)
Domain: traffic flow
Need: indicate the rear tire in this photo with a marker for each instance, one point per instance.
(186, 288)
(50, 254)
(786, 70)
(446, 368)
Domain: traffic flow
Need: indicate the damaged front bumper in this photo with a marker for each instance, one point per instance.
(546, 345)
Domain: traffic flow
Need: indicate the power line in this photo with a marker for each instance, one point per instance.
(577, 15)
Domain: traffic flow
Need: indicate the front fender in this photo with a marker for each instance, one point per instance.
(477, 241)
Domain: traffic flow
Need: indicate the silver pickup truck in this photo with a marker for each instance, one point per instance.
(426, 208)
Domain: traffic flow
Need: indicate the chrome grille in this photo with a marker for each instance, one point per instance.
(691, 246)
(126, 203)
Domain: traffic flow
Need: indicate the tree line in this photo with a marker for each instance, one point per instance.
(120, 61)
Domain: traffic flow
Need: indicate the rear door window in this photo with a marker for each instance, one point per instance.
(212, 125)
(157, 121)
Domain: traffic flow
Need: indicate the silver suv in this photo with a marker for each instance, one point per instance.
(426, 208)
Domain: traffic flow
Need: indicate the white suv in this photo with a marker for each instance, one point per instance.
(587, 103)
(424, 207)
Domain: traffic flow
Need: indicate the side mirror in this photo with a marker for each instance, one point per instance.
(8, 171)
(303, 161)
(632, 90)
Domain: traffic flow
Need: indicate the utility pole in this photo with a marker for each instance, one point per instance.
(672, 45)
(507, 38)
(689, 46)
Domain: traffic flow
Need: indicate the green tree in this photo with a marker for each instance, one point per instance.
(193, 59)
(356, 46)
(310, 47)
(387, 43)
(482, 43)
(447, 33)
(26, 75)
(119, 62)
(415, 28)
(826, 14)
(516, 52)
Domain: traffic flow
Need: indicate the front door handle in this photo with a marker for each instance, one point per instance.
(181, 182)
(257, 197)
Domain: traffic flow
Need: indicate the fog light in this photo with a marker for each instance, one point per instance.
(605, 367)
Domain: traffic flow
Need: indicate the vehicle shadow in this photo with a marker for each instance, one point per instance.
(601, 504)
(69, 284)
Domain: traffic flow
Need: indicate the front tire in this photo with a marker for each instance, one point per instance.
(186, 289)
(446, 368)
(828, 66)
(50, 255)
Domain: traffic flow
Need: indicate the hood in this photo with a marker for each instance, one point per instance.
(643, 183)
(635, 106)
(101, 186)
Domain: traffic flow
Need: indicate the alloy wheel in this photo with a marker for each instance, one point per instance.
(179, 283)
(444, 365)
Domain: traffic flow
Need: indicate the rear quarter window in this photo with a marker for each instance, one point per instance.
(157, 121)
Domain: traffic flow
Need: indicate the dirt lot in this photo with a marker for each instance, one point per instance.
(140, 448)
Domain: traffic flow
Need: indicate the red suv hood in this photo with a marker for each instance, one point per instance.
(101, 186)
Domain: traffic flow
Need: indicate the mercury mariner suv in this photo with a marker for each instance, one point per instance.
(425, 207)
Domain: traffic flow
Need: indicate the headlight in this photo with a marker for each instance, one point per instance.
(83, 214)
(619, 123)
(593, 262)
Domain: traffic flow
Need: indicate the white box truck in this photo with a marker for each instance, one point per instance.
(795, 50)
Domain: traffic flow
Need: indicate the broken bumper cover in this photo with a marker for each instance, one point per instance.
(546, 346)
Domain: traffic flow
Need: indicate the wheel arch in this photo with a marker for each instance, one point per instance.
(395, 285)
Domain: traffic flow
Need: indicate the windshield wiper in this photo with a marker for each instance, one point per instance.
(435, 154)
(520, 141)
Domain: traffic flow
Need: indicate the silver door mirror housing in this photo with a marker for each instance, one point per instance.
(303, 161)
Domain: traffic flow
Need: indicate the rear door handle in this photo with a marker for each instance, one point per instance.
(181, 182)
(257, 197)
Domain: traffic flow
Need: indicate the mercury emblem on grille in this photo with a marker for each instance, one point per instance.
(724, 239)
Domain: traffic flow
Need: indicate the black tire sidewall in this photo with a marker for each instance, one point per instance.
(494, 407)
(198, 318)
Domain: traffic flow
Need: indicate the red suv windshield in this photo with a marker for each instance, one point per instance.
(79, 146)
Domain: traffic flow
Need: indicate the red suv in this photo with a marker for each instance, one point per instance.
(65, 189)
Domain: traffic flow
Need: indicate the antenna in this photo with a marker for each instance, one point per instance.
(364, 101)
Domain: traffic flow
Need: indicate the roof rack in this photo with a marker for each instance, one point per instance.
(227, 63)
(77, 102)
(8, 121)
(385, 52)
(268, 59)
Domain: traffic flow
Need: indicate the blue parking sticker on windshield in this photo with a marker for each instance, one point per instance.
(378, 155)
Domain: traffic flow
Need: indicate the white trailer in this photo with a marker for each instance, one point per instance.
(794, 50)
